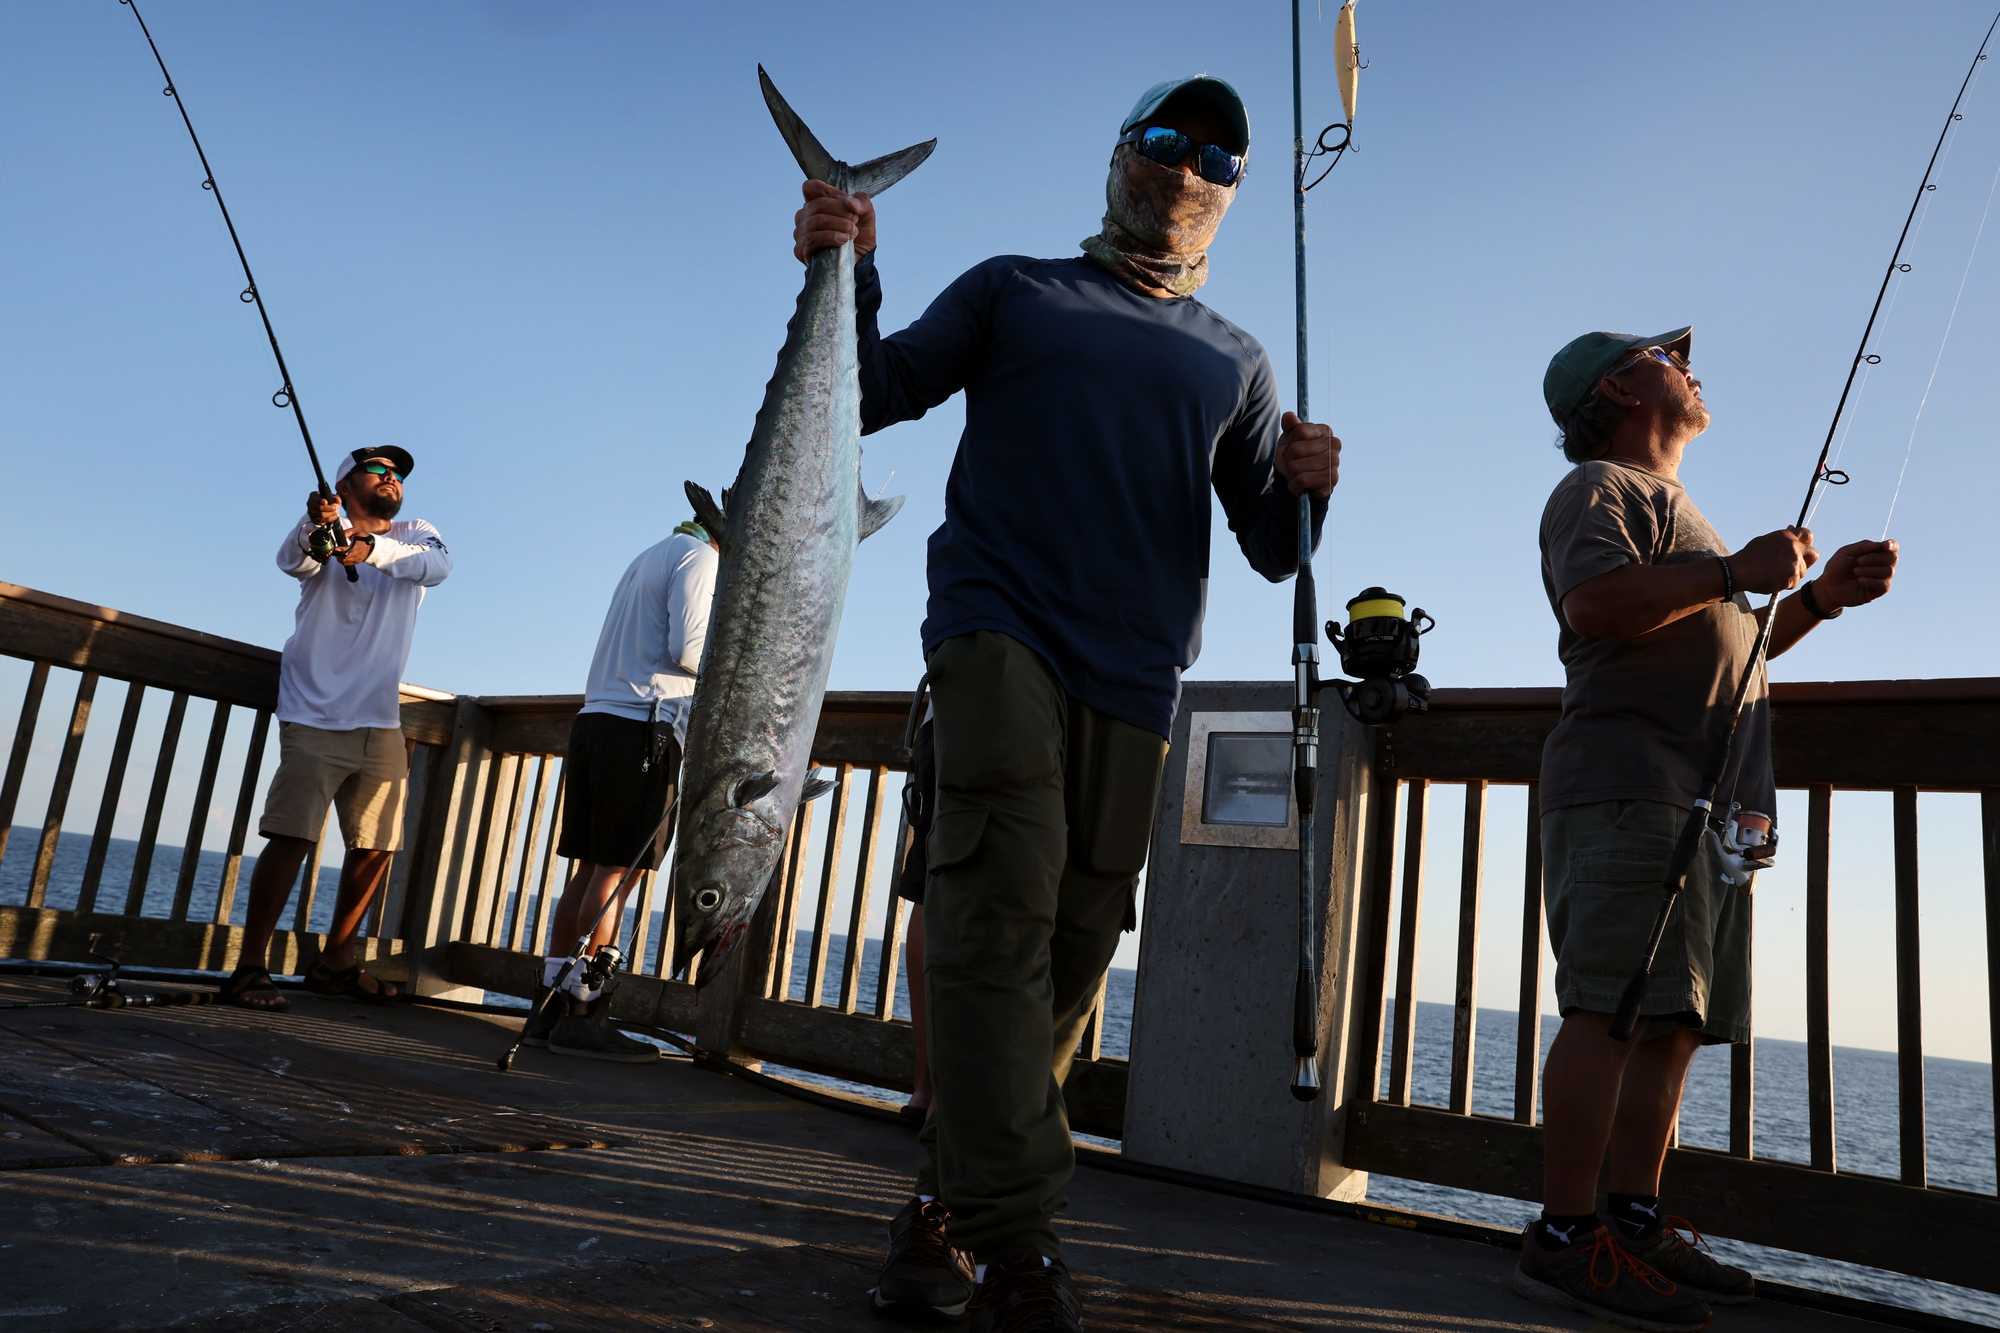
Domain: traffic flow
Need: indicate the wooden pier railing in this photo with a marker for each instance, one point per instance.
(472, 892)
(1901, 737)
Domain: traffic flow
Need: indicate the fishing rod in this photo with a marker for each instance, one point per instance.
(1702, 813)
(328, 539)
(101, 990)
(1306, 683)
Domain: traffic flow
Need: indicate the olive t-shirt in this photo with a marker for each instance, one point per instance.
(1641, 718)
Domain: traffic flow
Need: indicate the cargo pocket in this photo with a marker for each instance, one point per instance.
(1613, 896)
(955, 836)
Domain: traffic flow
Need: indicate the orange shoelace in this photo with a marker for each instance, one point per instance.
(1618, 1261)
(1675, 1225)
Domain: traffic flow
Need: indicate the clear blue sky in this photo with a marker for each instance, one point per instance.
(546, 249)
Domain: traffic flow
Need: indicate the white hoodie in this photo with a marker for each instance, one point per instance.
(345, 659)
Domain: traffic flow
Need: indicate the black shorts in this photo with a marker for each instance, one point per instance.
(919, 801)
(618, 777)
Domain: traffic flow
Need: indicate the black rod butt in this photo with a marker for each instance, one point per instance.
(1305, 1079)
(1626, 1020)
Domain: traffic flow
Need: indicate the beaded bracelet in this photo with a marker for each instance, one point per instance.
(1728, 579)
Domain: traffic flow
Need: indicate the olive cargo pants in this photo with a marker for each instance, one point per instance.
(1044, 813)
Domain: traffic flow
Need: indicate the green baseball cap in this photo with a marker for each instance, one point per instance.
(1205, 89)
(1573, 372)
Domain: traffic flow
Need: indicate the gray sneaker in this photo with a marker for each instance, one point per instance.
(586, 1031)
(543, 1020)
(1688, 1262)
(1599, 1276)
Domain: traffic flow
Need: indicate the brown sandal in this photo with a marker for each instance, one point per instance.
(247, 982)
(348, 984)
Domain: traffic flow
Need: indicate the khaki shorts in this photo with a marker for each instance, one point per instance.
(362, 773)
(1606, 865)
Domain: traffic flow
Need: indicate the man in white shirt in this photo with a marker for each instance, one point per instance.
(340, 738)
(619, 775)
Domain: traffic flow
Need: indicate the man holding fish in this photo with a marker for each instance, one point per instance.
(1067, 588)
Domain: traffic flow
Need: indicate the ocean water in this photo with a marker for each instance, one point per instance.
(1958, 1094)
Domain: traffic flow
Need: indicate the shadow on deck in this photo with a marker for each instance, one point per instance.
(347, 1167)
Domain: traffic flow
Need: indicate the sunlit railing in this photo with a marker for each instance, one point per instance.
(1903, 737)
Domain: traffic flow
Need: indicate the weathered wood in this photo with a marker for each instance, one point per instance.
(785, 929)
(387, 908)
(1859, 735)
(510, 834)
(864, 886)
(239, 825)
(1371, 955)
(57, 630)
(1528, 1032)
(1989, 837)
(1909, 995)
(537, 803)
(149, 831)
(642, 922)
(1743, 1097)
(889, 959)
(638, 998)
(882, 1055)
(204, 794)
(17, 761)
(859, 727)
(1943, 1235)
(1091, 1047)
(107, 804)
(1403, 1035)
(475, 925)
(308, 887)
(1465, 1003)
(52, 819)
(829, 878)
(548, 891)
(41, 934)
(1819, 1038)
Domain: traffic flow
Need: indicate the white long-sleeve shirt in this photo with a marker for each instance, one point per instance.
(650, 646)
(344, 662)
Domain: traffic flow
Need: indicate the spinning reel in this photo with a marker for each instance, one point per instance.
(1379, 648)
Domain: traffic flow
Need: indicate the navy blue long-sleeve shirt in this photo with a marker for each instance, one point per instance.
(1076, 518)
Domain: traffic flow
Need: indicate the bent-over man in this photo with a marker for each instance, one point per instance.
(620, 773)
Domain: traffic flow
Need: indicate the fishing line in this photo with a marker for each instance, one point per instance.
(1910, 445)
(1869, 363)
(286, 395)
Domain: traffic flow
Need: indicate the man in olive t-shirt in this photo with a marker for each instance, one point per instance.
(1655, 630)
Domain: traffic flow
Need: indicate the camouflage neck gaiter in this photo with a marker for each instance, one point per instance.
(1158, 224)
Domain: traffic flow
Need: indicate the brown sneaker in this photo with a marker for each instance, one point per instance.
(1599, 1276)
(1025, 1293)
(925, 1274)
(1679, 1252)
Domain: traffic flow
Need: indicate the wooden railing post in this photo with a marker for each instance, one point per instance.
(441, 868)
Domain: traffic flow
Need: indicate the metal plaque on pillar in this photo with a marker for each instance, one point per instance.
(1211, 1046)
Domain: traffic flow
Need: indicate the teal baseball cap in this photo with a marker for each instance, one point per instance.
(1573, 372)
(1205, 89)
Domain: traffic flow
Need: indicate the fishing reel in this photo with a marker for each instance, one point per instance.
(1742, 844)
(1379, 648)
(603, 966)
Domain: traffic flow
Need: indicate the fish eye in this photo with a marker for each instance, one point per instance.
(708, 899)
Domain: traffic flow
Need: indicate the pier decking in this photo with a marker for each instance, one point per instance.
(350, 1167)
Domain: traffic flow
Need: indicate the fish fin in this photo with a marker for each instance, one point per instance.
(813, 159)
(709, 513)
(815, 787)
(878, 174)
(752, 787)
(874, 513)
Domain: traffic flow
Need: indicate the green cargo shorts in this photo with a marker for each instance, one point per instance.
(1605, 865)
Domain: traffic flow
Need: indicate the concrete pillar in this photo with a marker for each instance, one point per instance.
(1211, 1065)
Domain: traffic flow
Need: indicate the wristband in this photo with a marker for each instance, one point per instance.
(1728, 579)
(1811, 603)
